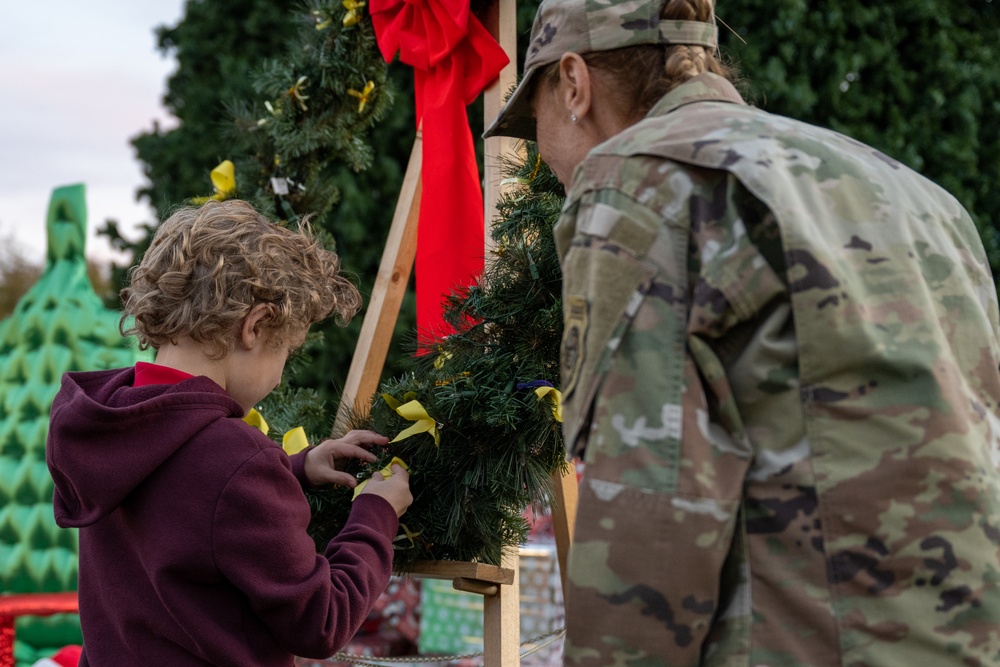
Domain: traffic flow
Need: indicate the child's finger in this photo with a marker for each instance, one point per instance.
(355, 452)
(365, 438)
(339, 478)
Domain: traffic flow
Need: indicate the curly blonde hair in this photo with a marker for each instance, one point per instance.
(207, 267)
(644, 74)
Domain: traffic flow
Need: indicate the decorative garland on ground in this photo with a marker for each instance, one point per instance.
(477, 420)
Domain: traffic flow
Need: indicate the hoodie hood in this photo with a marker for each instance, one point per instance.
(106, 436)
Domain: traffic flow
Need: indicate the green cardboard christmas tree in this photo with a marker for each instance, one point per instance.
(59, 325)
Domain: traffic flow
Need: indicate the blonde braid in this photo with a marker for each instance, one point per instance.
(683, 61)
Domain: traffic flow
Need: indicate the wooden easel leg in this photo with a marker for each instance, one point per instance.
(387, 295)
(501, 21)
(501, 612)
(502, 620)
(564, 492)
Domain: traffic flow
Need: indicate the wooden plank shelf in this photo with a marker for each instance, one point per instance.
(445, 569)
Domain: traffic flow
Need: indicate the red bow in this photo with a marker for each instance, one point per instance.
(454, 57)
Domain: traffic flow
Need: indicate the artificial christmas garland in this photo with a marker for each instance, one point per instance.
(476, 419)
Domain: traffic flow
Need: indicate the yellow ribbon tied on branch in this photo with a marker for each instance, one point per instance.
(256, 420)
(553, 396)
(415, 412)
(224, 179)
(386, 472)
(293, 442)
(442, 358)
(362, 95)
(295, 92)
(322, 20)
(408, 535)
(354, 14)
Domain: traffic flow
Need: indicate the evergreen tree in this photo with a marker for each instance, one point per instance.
(309, 133)
(217, 46)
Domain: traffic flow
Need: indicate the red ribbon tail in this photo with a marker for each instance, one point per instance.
(450, 236)
(454, 58)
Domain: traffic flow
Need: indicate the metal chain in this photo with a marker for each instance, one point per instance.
(364, 661)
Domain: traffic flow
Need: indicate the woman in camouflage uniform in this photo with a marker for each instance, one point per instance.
(780, 363)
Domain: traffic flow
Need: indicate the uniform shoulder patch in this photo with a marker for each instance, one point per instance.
(573, 342)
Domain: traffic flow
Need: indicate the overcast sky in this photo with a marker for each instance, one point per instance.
(78, 79)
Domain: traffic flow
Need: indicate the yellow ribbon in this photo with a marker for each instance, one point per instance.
(256, 420)
(294, 441)
(354, 13)
(415, 412)
(553, 396)
(538, 164)
(224, 179)
(362, 95)
(409, 535)
(442, 358)
(386, 473)
(322, 21)
(445, 383)
(295, 92)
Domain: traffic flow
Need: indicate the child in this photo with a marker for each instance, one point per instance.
(193, 543)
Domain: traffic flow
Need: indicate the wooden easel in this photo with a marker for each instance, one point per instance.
(498, 585)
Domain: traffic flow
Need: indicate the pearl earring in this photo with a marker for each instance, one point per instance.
(572, 116)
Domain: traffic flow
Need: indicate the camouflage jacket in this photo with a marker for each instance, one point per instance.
(780, 360)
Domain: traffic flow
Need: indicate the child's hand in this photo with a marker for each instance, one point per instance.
(396, 489)
(325, 461)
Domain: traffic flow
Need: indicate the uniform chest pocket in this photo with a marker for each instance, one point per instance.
(603, 289)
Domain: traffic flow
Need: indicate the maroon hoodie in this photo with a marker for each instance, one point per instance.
(193, 544)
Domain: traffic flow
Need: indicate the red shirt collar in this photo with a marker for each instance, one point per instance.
(146, 373)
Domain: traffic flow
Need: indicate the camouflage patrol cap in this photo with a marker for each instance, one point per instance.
(586, 26)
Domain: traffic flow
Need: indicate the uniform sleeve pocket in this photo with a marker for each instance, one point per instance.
(603, 288)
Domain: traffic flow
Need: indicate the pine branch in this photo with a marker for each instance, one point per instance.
(314, 112)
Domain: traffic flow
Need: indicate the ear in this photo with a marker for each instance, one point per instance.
(574, 83)
(251, 331)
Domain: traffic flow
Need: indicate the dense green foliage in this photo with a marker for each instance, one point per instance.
(500, 442)
(917, 79)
